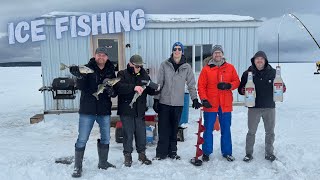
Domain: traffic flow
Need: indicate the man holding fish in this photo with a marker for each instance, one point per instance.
(132, 92)
(94, 108)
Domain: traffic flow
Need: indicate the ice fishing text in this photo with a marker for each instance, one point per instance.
(83, 25)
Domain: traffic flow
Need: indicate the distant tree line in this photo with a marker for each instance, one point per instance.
(19, 64)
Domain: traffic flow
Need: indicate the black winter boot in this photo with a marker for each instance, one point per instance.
(248, 158)
(78, 158)
(205, 158)
(127, 159)
(230, 158)
(143, 158)
(103, 151)
(174, 156)
(270, 157)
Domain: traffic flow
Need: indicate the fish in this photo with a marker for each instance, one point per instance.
(135, 97)
(83, 69)
(106, 82)
(111, 82)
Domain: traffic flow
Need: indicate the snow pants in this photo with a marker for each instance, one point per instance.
(169, 118)
(225, 125)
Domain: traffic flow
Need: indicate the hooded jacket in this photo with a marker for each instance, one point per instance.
(263, 81)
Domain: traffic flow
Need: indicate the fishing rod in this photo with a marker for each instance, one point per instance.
(317, 63)
(279, 38)
(294, 16)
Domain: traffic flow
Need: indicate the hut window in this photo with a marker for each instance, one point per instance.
(188, 54)
(195, 55)
(198, 58)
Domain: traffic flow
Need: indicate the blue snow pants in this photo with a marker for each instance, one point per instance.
(225, 124)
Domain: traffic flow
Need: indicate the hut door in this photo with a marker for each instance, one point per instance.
(114, 44)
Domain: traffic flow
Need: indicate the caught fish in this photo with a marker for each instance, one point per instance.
(135, 97)
(111, 82)
(82, 69)
(106, 82)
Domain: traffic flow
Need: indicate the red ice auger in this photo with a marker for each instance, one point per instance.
(196, 161)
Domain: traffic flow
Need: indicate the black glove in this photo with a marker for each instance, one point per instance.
(150, 84)
(156, 105)
(109, 90)
(224, 86)
(206, 104)
(196, 104)
(74, 70)
(145, 82)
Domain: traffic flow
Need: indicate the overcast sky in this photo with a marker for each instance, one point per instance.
(295, 43)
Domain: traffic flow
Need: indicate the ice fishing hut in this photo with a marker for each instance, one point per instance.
(237, 35)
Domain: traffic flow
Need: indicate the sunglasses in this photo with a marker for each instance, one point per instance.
(179, 49)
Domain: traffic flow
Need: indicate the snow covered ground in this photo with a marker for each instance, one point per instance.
(28, 151)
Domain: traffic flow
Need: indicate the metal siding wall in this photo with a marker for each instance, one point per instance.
(174, 37)
(228, 45)
(213, 36)
(235, 56)
(166, 39)
(255, 40)
(251, 45)
(243, 55)
(189, 37)
(197, 33)
(205, 36)
(156, 58)
(67, 50)
(127, 52)
(221, 36)
(144, 38)
(154, 45)
(182, 36)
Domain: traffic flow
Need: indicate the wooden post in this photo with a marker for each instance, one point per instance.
(36, 118)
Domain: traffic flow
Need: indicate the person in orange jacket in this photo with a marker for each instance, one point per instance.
(215, 84)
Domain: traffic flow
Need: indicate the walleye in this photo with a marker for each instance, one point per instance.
(82, 69)
(135, 97)
(106, 82)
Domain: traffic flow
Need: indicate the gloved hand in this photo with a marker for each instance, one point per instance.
(156, 105)
(284, 88)
(74, 70)
(196, 104)
(206, 104)
(224, 86)
(151, 84)
(145, 82)
(109, 90)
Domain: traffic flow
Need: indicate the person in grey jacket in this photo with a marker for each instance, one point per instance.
(173, 74)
